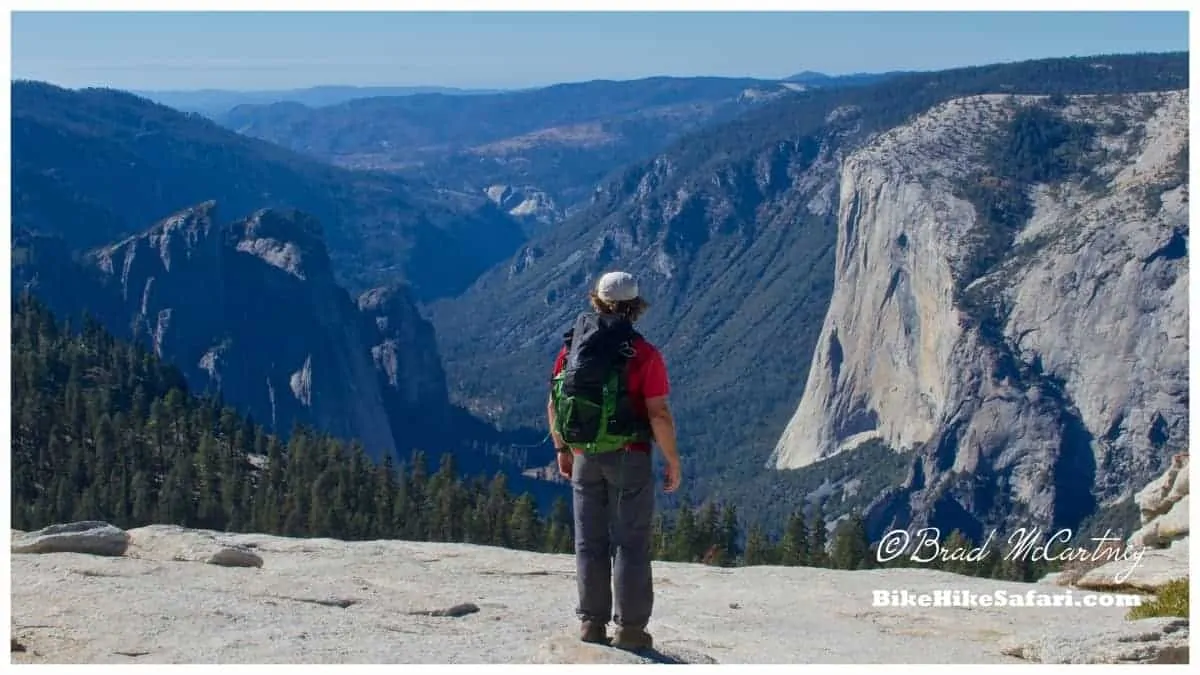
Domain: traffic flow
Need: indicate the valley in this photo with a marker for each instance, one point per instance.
(878, 298)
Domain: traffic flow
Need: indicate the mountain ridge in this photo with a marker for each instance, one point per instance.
(116, 161)
(215, 102)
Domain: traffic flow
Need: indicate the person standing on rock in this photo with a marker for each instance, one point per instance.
(608, 402)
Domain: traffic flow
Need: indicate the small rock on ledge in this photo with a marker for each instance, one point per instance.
(235, 556)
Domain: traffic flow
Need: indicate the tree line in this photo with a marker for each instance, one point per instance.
(103, 430)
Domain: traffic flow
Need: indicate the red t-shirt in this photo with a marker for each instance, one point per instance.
(646, 376)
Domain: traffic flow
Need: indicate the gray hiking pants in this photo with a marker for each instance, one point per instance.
(614, 507)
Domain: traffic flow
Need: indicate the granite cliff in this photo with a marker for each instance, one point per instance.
(1043, 376)
(251, 310)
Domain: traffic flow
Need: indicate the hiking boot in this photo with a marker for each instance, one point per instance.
(593, 631)
(632, 638)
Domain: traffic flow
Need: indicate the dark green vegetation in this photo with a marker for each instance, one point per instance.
(1038, 146)
(96, 165)
(561, 139)
(732, 231)
(709, 534)
(104, 430)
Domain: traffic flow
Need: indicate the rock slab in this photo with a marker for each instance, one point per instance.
(329, 602)
(570, 650)
(92, 537)
(1156, 568)
(1157, 640)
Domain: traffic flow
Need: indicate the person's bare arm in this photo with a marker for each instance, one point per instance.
(662, 423)
(558, 441)
(566, 461)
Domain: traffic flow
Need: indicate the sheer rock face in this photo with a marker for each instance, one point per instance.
(252, 310)
(1078, 394)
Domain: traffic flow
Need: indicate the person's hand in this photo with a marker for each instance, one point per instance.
(672, 477)
(566, 462)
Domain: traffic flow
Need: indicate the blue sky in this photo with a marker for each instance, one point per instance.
(178, 50)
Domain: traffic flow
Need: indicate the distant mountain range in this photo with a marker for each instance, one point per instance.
(212, 102)
(815, 79)
(538, 153)
(553, 145)
(96, 165)
(215, 102)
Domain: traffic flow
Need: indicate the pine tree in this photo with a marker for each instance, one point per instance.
(708, 535)
(382, 525)
(758, 548)
(660, 541)
(498, 507)
(683, 539)
(730, 534)
(956, 543)
(209, 512)
(850, 544)
(793, 550)
(818, 555)
(560, 530)
(523, 524)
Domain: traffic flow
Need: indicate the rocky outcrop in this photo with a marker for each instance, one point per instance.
(403, 348)
(252, 310)
(88, 536)
(328, 601)
(1164, 507)
(1161, 544)
(525, 203)
(1054, 382)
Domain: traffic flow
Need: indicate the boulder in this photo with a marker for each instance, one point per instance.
(91, 537)
(235, 556)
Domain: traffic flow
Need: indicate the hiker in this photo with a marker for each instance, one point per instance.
(603, 438)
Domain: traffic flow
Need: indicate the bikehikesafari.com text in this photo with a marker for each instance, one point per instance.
(1001, 598)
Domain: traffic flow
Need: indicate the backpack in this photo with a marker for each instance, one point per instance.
(590, 396)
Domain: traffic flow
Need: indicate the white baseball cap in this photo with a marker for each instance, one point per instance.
(617, 287)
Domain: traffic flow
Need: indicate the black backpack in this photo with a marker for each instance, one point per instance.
(590, 396)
